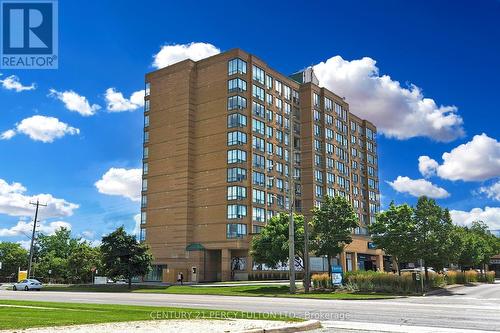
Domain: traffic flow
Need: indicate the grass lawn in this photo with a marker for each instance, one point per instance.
(254, 290)
(25, 314)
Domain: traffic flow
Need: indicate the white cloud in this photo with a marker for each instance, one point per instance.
(492, 191)
(74, 102)
(427, 166)
(123, 182)
(476, 160)
(13, 83)
(137, 225)
(418, 187)
(7, 135)
(41, 128)
(15, 202)
(489, 215)
(26, 227)
(170, 54)
(398, 112)
(117, 103)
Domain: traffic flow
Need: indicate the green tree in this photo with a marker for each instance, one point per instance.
(433, 229)
(394, 232)
(52, 254)
(83, 261)
(123, 256)
(12, 257)
(332, 226)
(478, 245)
(271, 245)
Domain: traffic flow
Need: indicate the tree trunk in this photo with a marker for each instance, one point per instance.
(329, 266)
(129, 283)
(398, 265)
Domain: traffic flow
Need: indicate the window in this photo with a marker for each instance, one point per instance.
(279, 151)
(258, 92)
(316, 115)
(317, 145)
(236, 138)
(146, 121)
(328, 119)
(258, 126)
(269, 131)
(295, 95)
(236, 85)
(258, 74)
(279, 136)
(236, 230)
(236, 174)
(258, 161)
(236, 156)
(329, 163)
(317, 130)
(258, 178)
(144, 184)
(147, 105)
(145, 153)
(142, 235)
(258, 143)
(353, 126)
(236, 102)
(147, 89)
(330, 178)
(236, 192)
(237, 66)
(277, 87)
(269, 82)
(279, 104)
(329, 133)
(144, 201)
(236, 120)
(269, 99)
(146, 137)
(258, 110)
(145, 168)
(269, 148)
(318, 176)
(319, 191)
(259, 214)
(329, 148)
(316, 100)
(279, 184)
(279, 168)
(236, 211)
(259, 196)
(143, 217)
(369, 134)
(287, 92)
(328, 104)
(269, 165)
(317, 160)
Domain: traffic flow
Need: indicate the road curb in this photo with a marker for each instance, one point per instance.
(299, 327)
(443, 290)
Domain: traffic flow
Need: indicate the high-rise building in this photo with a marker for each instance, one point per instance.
(220, 137)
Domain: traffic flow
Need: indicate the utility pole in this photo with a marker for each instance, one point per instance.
(35, 221)
(291, 226)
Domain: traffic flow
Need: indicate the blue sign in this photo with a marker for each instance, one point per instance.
(372, 246)
(336, 275)
(29, 38)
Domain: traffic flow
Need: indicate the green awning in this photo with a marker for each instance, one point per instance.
(195, 247)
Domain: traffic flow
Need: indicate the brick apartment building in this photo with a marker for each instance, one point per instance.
(220, 137)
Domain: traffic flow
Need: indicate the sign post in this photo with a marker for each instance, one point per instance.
(336, 275)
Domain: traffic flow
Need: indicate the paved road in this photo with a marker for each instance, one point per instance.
(466, 308)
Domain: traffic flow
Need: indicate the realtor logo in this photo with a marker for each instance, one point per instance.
(29, 34)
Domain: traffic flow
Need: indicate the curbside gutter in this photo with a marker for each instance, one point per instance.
(298, 327)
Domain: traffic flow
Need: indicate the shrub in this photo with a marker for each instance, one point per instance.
(437, 280)
(321, 281)
(371, 281)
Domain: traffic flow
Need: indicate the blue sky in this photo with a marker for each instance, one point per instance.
(448, 49)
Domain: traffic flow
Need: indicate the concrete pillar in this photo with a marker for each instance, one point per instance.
(343, 261)
(380, 263)
(354, 261)
(226, 265)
